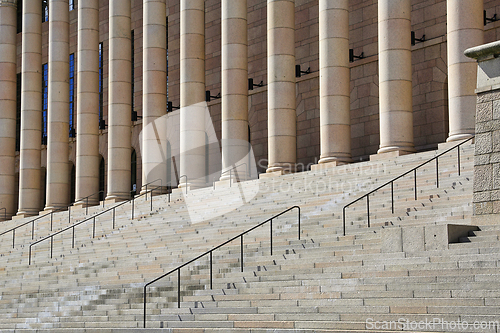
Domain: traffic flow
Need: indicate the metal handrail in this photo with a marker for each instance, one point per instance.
(4, 213)
(87, 201)
(178, 269)
(391, 182)
(185, 183)
(33, 224)
(154, 181)
(88, 219)
(234, 168)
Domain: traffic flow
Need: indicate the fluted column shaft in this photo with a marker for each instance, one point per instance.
(120, 101)
(395, 81)
(282, 141)
(192, 91)
(335, 119)
(465, 30)
(8, 79)
(58, 106)
(31, 109)
(154, 89)
(87, 103)
(234, 62)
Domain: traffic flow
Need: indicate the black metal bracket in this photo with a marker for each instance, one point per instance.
(414, 40)
(299, 71)
(171, 108)
(251, 84)
(487, 20)
(352, 56)
(102, 124)
(135, 116)
(209, 97)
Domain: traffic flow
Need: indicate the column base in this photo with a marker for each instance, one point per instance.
(381, 155)
(22, 215)
(330, 162)
(112, 199)
(459, 137)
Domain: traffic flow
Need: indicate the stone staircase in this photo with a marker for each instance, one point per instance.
(325, 282)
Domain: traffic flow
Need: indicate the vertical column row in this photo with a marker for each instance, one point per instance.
(235, 145)
(282, 143)
(465, 30)
(192, 92)
(87, 103)
(119, 101)
(58, 106)
(395, 76)
(335, 107)
(154, 89)
(8, 105)
(31, 109)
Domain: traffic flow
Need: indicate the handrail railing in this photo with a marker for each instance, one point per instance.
(87, 201)
(154, 181)
(234, 168)
(178, 269)
(391, 182)
(33, 224)
(88, 219)
(4, 213)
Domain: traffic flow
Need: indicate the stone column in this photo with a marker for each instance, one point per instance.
(282, 143)
(120, 101)
(235, 145)
(192, 90)
(154, 90)
(87, 102)
(335, 118)
(465, 30)
(8, 105)
(395, 87)
(58, 106)
(31, 109)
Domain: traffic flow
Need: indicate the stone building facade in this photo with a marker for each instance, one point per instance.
(97, 71)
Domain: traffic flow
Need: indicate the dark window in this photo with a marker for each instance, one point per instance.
(102, 172)
(133, 69)
(72, 192)
(133, 175)
(45, 10)
(45, 89)
(18, 113)
(19, 16)
(71, 94)
(100, 81)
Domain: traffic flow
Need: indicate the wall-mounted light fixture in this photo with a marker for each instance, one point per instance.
(352, 56)
(414, 40)
(171, 108)
(209, 97)
(251, 84)
(299, 71)
(487, 20)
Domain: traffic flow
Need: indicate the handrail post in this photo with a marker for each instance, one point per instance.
(73, 239)
(299, 220)
(211, 273)
(87, 206)
(343, 219)
(13, 237)
(146, 192)
(368, 208)
(113, 218)
(145, 295)
(51, 214)
(437, 173)
(415, 180)
(69, 214)
(241, 253)
(179, 288)
(93, 229)
(133, 204)
(151, 200)
(271, 234)
(458, 156)
(392, 197)
(32, 229)
(51, 246)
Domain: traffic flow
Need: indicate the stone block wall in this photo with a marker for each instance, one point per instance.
(487, 154)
